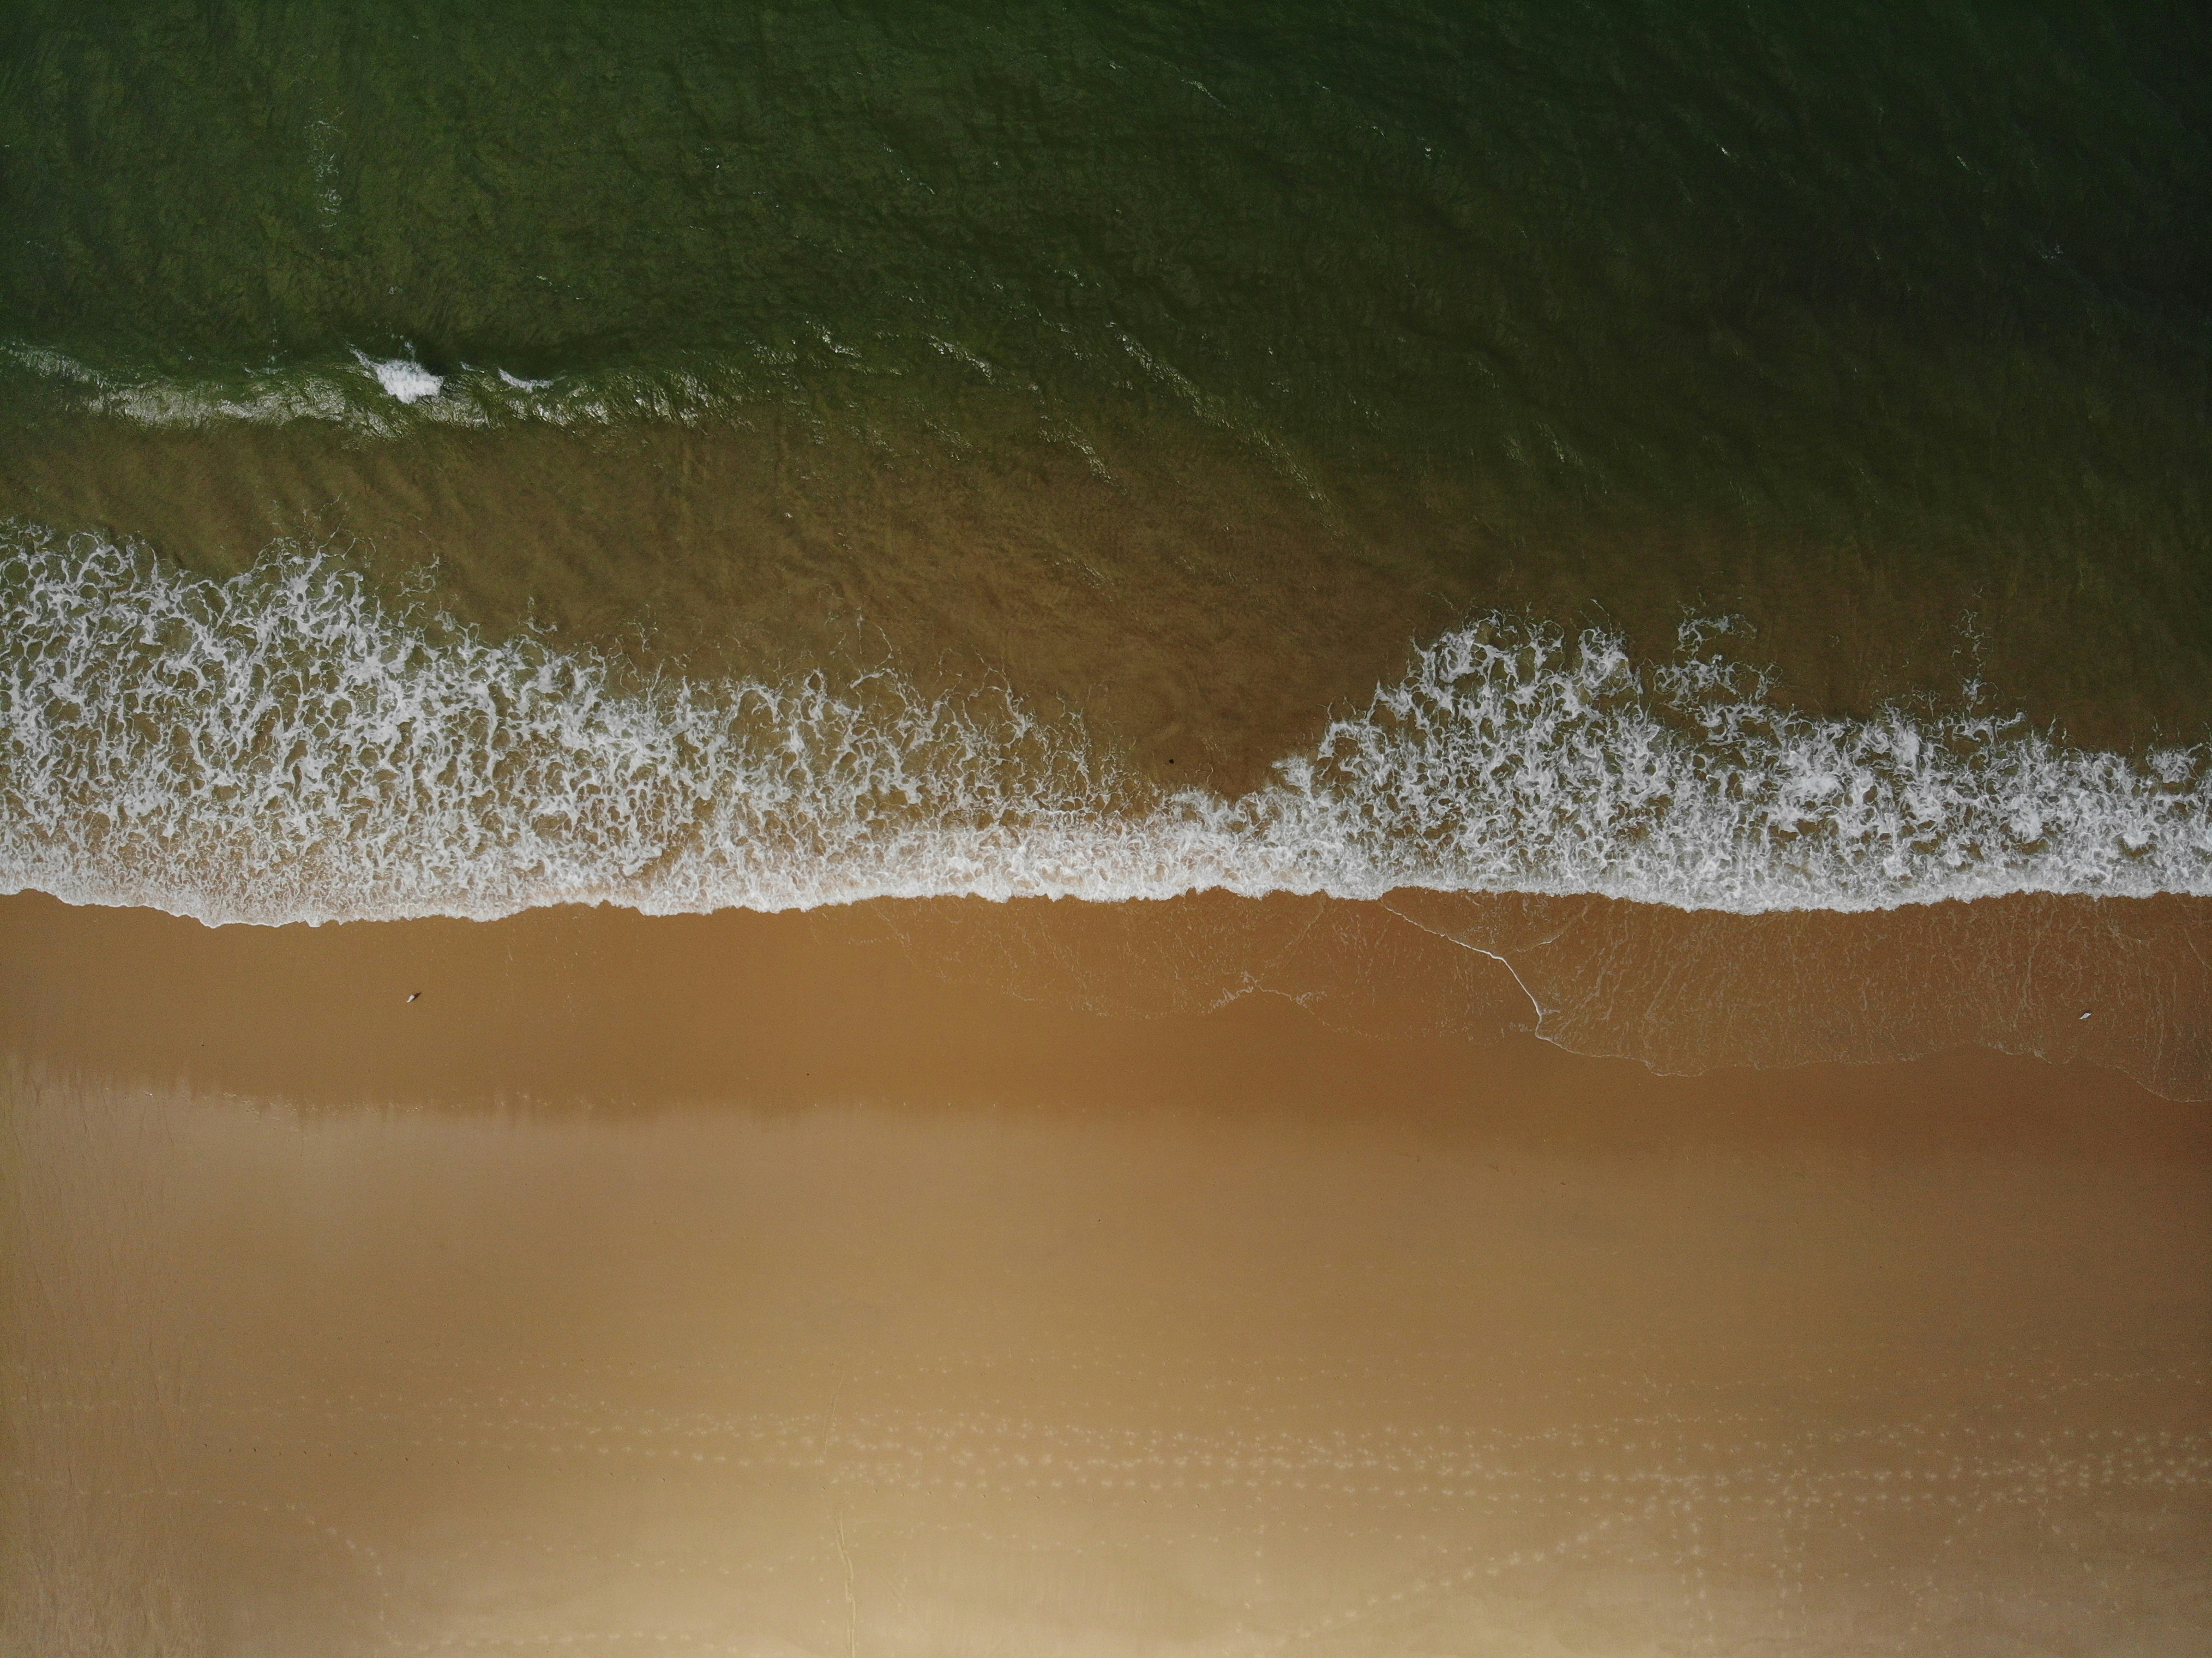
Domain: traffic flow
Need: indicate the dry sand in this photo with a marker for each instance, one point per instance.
(758, 1285)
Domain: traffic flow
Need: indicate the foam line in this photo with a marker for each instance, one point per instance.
(388, 398)
(282, 747)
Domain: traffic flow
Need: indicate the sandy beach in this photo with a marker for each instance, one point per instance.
(756, 1285)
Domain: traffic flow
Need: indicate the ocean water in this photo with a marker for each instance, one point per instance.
(1103, 826)
(459, 458)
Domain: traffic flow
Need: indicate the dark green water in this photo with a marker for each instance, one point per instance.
(1182, 366)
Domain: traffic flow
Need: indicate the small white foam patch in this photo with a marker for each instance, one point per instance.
(402, 378)
(280, 747)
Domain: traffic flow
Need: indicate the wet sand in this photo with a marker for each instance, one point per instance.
(781, 1284)
(608, 1008)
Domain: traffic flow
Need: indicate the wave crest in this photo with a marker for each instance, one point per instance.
(1511, 760)
(282, 746)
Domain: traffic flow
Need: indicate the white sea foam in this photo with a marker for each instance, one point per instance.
(390, 398)
(281, 747)
(380, 397)
(402, 377)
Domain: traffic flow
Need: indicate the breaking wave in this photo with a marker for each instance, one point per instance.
(283, 746)
(386, 397)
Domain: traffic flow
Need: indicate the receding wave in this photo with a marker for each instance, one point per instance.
(284, 746)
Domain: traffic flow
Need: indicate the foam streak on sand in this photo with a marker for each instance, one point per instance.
(283, 747)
